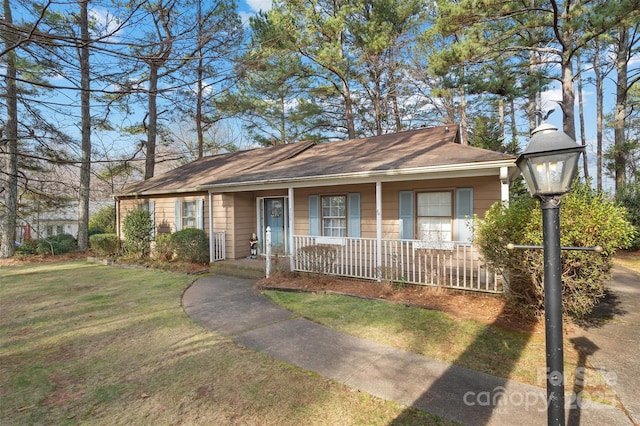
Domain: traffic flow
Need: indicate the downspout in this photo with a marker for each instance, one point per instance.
(291, 228)
(211, 240)
(379, 230)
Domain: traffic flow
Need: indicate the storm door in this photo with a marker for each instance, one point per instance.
(273, 214)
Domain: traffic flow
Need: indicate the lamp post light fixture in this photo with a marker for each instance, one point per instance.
(549, 165)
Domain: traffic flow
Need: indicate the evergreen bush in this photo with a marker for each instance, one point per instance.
(629, 198)
(104, 244)
(136, 228)
(97, 230)
(28, 247)
(56, 244)
(191, 245)
(104, 219)
(587, 219)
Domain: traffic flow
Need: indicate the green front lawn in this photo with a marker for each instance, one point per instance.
(90, 344)
(515, 355)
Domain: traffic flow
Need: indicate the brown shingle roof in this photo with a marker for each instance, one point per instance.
(222, 166)
(426, 147)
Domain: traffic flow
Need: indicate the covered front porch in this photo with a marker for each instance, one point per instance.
(381, 235)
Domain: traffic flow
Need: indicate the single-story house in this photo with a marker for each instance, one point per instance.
(398, 206)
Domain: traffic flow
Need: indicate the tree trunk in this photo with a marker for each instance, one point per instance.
(348, 110)
(199, 131)
(10, 173)
(378, 103)
(513, 145)
(85, 99)
(394, 101)
(568, 97)
(155, 60)
(501, 118)
(150, 160)
(532, 104)
(283, 121)
(565, 37)
(621, 108)
(599, 95)
(463, 111)
(200, 95)
(583, 137)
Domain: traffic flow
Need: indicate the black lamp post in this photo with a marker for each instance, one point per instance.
(549, 165)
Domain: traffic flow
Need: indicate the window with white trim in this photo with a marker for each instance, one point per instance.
(189, 214)
(334, 216)
(434, 216)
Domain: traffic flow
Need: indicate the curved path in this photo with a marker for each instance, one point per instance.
(613, 345)
(233, 308)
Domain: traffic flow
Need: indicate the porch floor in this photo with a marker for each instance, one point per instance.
(249, 268)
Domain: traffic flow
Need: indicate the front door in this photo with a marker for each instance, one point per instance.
(274, 214)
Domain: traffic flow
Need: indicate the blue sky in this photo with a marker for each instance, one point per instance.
(251, 7)
(248, 8)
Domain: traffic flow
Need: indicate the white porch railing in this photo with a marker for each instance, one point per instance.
(449, 264)
(217, 251)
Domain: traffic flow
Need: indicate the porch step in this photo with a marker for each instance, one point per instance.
(241, 268)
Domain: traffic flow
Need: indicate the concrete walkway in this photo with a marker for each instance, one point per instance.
(231, 307)
(613, 344)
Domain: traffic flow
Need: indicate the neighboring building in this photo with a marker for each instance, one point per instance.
(397, 206)
(59, 221)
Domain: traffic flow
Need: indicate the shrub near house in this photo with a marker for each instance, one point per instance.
(137, 228)
(191, 245)
(587, 219)
(104, 244)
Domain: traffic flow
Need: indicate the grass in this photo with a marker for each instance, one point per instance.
(516, 355)
(90, 344)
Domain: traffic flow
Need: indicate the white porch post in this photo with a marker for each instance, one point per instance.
(211, 240)
(379, 230)
(504, 184)
(291, 228)
(267, 244)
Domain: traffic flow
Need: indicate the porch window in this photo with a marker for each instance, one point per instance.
(334, 216)
(434, 216)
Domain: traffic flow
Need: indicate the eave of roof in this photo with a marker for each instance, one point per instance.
(420, 173)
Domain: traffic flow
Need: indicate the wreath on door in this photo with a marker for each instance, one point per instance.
(276, 209)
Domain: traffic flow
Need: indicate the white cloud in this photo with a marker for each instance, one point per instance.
(104, 23)
(550, 98)
(244, 17)
(257, 5)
